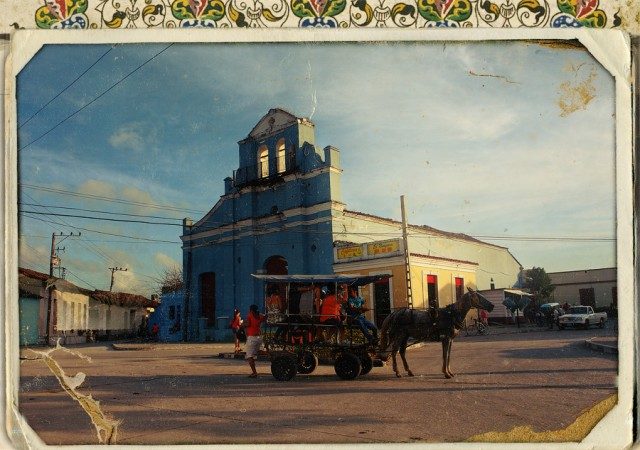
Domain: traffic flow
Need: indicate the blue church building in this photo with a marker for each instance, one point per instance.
(282, 213)
(275, 217)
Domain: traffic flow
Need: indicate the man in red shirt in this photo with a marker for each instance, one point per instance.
(254, 340)
(330, 314)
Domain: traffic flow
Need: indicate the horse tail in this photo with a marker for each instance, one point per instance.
(387, 326)
(384, 334)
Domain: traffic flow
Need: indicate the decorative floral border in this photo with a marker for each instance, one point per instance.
(95, 14)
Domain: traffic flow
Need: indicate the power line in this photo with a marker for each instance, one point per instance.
(85, 282)
(105, 233)
(91, 247)
(95, 99)
(347, 233)
(107, 199)
(104, 241)
(101, 211)
(68, 86)
(108, 219)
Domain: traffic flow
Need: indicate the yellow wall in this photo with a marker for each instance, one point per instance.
(446, 287)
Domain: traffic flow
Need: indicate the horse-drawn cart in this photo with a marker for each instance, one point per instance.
(298, 335)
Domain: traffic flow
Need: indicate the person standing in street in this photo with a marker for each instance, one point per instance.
(236, 324)
(254, 339)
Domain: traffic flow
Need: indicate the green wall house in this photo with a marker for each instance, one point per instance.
(29, 308)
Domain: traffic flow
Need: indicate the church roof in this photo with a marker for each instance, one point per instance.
(423, 228)
(277, 119)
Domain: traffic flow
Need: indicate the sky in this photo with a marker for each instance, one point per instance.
(509, 142)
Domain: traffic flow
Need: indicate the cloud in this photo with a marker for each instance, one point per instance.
(33, 257)
(97, 187)
(131, 137)
(165, 260)
(137, 195)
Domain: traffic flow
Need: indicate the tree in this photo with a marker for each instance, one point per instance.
(171, 280)
(538, 283)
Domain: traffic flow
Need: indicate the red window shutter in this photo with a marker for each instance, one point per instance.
(459, 281)
(432, 279)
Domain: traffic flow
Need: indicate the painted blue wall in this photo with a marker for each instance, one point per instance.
(29, 310)
(287, 215)
(168, 316)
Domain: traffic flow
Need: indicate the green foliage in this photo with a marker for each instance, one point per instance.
(538, 283)
(302, 8)
(597, 19)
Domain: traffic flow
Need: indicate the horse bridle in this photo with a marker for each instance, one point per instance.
(455, 315)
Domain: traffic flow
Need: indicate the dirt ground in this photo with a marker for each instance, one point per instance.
(184, 394)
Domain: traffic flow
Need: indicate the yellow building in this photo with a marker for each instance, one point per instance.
(442, 264)
(435, 281)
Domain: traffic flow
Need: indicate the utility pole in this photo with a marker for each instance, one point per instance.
(407, 262)
(58, 261)
(114, 270)
(54, 260)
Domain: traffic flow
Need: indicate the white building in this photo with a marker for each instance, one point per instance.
(594, 287)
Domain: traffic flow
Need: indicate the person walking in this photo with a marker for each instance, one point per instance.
(236, 326)
(254, 339)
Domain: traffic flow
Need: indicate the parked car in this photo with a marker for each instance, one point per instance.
(550, 314)
(582, 316)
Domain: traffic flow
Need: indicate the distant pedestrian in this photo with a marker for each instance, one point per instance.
(484, 317)
(236, 326)
(254, 340)
(155, 331)
(557, 312)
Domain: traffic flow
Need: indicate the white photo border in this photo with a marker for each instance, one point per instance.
(612, 48)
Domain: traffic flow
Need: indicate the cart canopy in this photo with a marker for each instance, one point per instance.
(350, 279)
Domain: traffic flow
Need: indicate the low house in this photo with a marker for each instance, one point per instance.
(117, 314)
(75, 313)
(32, 290)
(500, 313)
(597, 288)
(168, 316)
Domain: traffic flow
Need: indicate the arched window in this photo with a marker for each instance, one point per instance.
(263, 161)
(282, 156)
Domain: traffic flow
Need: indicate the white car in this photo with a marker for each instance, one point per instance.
(582, 316)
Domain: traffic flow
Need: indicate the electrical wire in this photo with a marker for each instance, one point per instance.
(107, 199)
(108, 219)
(68, 86)
(83, 281)
(104, 232)
(91, 247)
(100, 211)
(96, 98)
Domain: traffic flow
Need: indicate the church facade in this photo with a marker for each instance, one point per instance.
(282, 213)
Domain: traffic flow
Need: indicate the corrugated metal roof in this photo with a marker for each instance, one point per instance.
(518, 292)
(122, 299)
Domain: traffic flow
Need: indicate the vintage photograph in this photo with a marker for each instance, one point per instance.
(316, 242)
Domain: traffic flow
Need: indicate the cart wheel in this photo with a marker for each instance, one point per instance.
(307, 362)
(347, 366)
(367, 364)
(283, 368)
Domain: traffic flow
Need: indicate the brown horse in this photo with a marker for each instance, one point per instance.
(420, 325)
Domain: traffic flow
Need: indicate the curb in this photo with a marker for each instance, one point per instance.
(604, 348)
(127, 347)
(241, 355)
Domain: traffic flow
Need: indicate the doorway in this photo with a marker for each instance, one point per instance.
(381, 301)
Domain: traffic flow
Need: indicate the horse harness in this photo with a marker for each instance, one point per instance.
(452, 315)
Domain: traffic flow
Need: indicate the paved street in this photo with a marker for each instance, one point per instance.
(183, 393)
